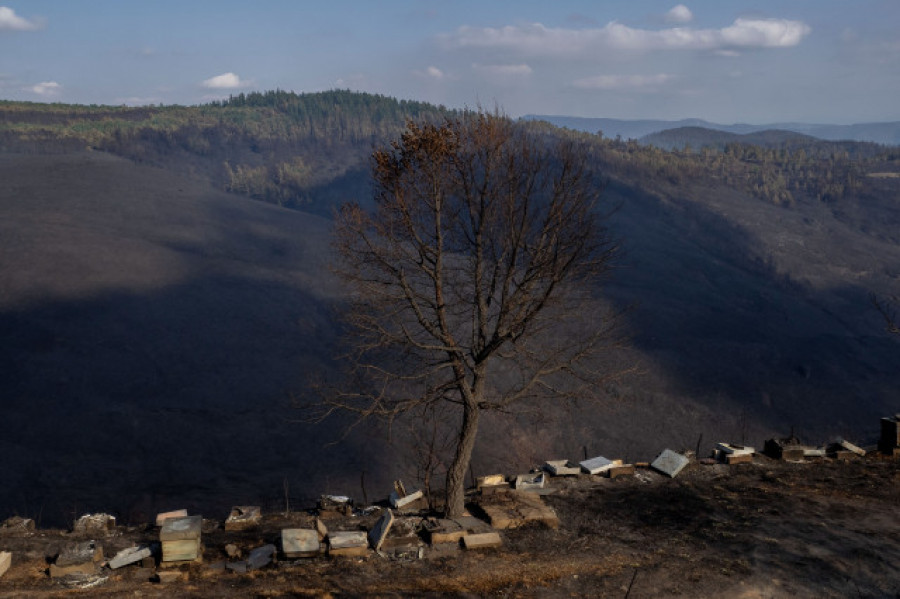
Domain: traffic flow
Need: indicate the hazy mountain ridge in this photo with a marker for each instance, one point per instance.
(701, 137)
(887, 133)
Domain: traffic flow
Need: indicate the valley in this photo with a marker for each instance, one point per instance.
(160, 315)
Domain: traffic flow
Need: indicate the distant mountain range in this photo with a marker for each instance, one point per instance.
(700, 137)
(882, 133)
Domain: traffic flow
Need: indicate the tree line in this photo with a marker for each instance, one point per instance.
(288, 148)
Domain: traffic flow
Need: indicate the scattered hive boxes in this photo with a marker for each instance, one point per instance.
(844, 450)
(620, 470)
(598, 465)
(514, 509)
(733, 454)
(491, 480)
(130, 555)
(94, 525)
(180, 539)
(335, 506)
(669, 463)
(562, 468)
(486, 540)
(79, 560)
(352, 543)
(452, 530)
(401, 500)
(380, 531)
(299, 542)
(17, 524)
(788, 449)
(527, 482)
(411, 501)
(243, 517)
(261, 557)
(162, 517)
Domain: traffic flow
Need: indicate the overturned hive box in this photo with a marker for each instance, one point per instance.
(96, 525)
(442, 530)
(78, 559)
(243, 517)
(180, 538)
(562, 468)
(788, 449)
(348, 543)
(598, 465)
(670, 463)
(300, 542)
(513, 509)
(486, 540)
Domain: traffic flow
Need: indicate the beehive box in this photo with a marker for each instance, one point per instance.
(180, 538)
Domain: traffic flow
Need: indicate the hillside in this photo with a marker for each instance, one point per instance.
(152, 329)
(306, 151)
(157, 322)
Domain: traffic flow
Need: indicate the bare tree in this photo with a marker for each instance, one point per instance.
(474, 278)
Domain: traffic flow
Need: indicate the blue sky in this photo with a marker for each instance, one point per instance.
(834, 61)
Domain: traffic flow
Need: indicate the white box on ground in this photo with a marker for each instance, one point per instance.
(730, 449)
(669, 463)
(129, 556)
(347, 540)
(598, 465)
(380, 531)
(399, 502)
(300, 542)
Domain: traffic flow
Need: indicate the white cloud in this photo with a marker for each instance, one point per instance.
(45, 88)
(502, 70)
(623, 82)
(538, 40)
(225, 81)
(679, 14)
(764, 33)
(431, 72)
(10, 21)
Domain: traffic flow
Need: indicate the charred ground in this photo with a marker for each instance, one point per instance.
(823, 528)
(155, 327)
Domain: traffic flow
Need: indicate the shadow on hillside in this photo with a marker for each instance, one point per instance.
(152, 329)
(166, 387)
(729, 331)
(136, 403)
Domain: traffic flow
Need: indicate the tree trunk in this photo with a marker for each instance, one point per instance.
(456, 474)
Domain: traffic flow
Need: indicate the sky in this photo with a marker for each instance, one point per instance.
(727, 61)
